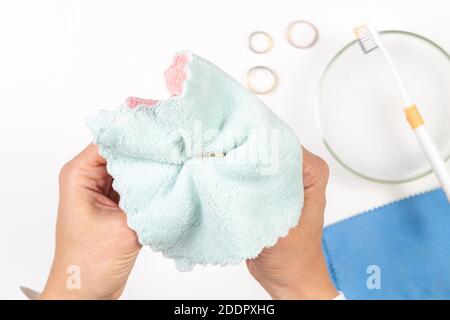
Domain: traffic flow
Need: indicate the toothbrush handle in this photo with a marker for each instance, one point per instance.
(430, 148)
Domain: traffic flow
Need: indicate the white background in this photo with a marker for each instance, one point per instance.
(60, 61)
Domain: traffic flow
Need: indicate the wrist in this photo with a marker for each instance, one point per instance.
(66, 284)
(313, 283)
(56, 291)
(57, 288)
(322, 291)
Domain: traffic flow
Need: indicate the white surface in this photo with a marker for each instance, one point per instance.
(60, 61)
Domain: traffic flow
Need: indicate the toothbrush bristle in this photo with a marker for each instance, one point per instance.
(365, 39)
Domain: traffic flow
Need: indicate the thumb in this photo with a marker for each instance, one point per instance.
(89, 157)
(315, 179)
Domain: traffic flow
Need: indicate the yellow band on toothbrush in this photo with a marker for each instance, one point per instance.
(413, 116)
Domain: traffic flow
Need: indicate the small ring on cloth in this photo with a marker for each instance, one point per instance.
(308, 24)
(211, 155)
(251, 73)
(251, 42)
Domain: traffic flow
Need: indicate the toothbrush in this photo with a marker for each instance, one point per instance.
(369, 40)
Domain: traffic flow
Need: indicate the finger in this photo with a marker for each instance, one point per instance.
(113, 194)
(90, 157)
(315, 171)
(88, 170)
(315, 178)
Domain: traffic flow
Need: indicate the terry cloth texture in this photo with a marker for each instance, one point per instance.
(207, 176)
(398, 251)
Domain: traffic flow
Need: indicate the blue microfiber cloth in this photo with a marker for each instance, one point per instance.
(406, 244)
(207, 176)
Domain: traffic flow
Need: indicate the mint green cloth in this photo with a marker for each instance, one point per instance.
(204, 210)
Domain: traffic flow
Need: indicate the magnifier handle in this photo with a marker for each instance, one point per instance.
(429, 147)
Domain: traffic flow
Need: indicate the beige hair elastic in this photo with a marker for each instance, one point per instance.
(304, 23)
(251, 73)
(260, 34)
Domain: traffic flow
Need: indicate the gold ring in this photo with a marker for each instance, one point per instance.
(260, 33)
(290, 29)
(264, 68)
